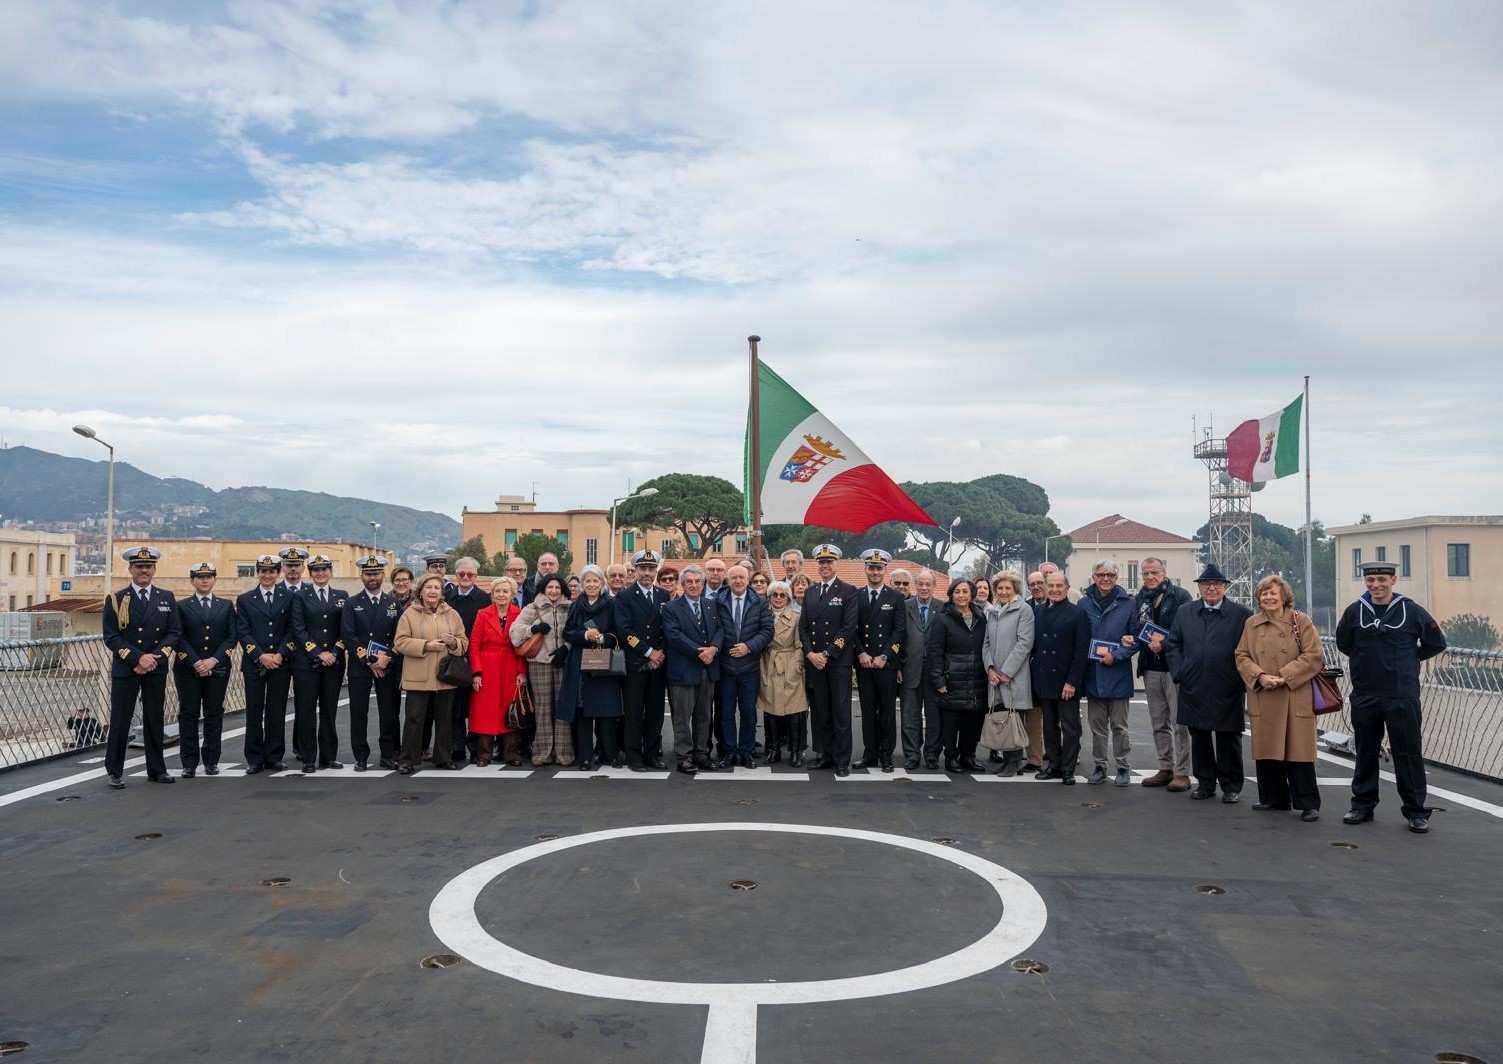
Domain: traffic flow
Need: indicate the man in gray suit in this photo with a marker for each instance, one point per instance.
(918, 698)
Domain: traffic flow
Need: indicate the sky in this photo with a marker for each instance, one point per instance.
(433, 252)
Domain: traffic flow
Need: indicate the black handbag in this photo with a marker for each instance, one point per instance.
(520, 713)
(454, 670)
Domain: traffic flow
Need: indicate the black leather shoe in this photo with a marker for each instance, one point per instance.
(1068, 778)
(163, 778)
(1028, 769)
(658, 763)
(704, 764)
(970, 764)
(618, 762)
(1231, 796)
(1419, 824)
(308, 768)
(931, 763)
(450, 766)
(825, 763)
(361, 766)
(1266, 806)
(387, 762)
(1200, 794)
(211, 770)
(910, 763)
(842, 772)
(275, 766)
(885, 765)
(251, 770)
(404, 770)
(994, 757)
(688, 768)
(1308, 815)
(116, 783)
(1357, 816)
(865, 762)
(188, 773)
(331, 764)
(589, 764)
(1051, 774)
(636, 766)
(952, 766)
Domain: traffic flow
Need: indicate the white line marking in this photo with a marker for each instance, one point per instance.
(81, 777)
(609, 772)
(473, 772)
(730, 1035)
(897, 773)
(754, 775)
(348, 772)
(1434, 792)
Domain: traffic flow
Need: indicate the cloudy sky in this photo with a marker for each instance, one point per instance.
(430, 252)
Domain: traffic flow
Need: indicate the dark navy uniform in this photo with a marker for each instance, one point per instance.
(265, 628)
(828, 624)
(208, 634)
(138, 622)
(1384, 646)
(639, 623)
(367, 620)
(882, 629)
(316, 619)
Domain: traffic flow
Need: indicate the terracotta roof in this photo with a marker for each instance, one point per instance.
(851, 570)
(67, 605)
(1114, 528)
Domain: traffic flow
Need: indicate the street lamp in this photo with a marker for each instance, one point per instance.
(950, 541)
(644, 493)
(375, 527)
(1062, 535)
(109, 517)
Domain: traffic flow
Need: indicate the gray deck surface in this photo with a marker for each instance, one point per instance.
(114, 948)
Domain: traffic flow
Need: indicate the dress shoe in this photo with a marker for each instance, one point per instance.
(1098, 776)
(842, 772)
(910, 763)
(704, 764)
(618, 762)
(1028, 769)
(116, 783)
(1419, 824)
(1068, 778)
(1267, 806)
(658, 763)
(1230, 797)
(1357, 816)
(885, 765)
(449, 766)
(952, 766)
(308, 768)
(931, 763)
(275, 766)
(188, 773)
(1050, 774)
(724, 764)
(1200, 794)
(211, 770)
(1124, 777)
(970, 764)
(361, 766)
(387, 762)
(1179, 783)
(589, 764)
(404, 770)
(636, 767)
(687, 768)
(251, 770)
(825, 763)
(776, 756)
(163, 778)
(1308, 815)
(331, 764)
(994, 757)
(1160, 778)
(865, 762)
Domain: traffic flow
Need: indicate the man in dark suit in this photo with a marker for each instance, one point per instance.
(293, 560)
(318, 667)
(639, 624)
(882, 629)
(1057, 664)
(747, 623)
(367, 626)
(693, 640)
(1201, 650)
(715, 586)
(516, 568)
(141, 631)
(827, 629)
(918, 698)
(202, 670)
(263, 625)
(467, 600)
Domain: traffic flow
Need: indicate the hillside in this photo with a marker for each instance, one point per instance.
(48, 488)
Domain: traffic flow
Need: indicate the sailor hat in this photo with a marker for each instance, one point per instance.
(320, 561)
(203, 569)
(875, 556)
(142, 555)
(646, 557)
(295, 555)
(826, 552)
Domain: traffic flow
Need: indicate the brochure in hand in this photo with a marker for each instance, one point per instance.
(1150, 630)
(373, 648)
(1116, 648)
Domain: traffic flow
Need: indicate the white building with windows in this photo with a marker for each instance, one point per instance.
(29, 560)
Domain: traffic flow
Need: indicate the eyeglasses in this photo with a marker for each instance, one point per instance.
(900, 583)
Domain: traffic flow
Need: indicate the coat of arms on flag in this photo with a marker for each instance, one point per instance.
(805, 463)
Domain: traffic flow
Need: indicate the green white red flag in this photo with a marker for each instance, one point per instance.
(812, 474)
(1267, 448)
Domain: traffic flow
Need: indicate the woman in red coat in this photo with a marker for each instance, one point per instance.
(498, 674)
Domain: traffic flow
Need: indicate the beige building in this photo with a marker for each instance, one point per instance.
(1127, 542)
(1443, 563)
(31, 564)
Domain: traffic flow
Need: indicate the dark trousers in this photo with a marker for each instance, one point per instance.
(831, 687)
(1287, 783)
(424, 708)
(1370, 717)
(200, 697)
(1061, 733)
(459, 710)
(738, 701)
(717, 722)
(388, 715)
(266, 716)
(124, 690)
(878, 691)
(962, 731)
(315, 703)
(1216, 757)
(592, 733)
(920, 722)
(642, 726)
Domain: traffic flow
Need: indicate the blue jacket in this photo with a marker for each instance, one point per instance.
(1111, 618)
(684, 641)
(756, 632)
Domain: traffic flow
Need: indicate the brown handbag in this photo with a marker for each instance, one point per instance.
(1325, 696)
(520, 713)
(531, 645)
(602, 661)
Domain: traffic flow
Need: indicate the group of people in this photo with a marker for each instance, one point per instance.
(555, 671)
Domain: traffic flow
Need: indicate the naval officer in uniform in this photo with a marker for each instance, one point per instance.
(293, 559)
(318, 667)
(368, 626)
(827, 629)
(883, 629)
(263, 624)
(202, 670)
(639, 621)
(141, 632)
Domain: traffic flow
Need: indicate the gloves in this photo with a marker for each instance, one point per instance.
(542, 626)
(560, 655)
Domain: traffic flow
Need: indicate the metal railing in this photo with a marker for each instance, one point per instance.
(55, 697)
(1461, 707)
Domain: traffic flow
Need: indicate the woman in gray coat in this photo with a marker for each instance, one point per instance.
(1009, 641)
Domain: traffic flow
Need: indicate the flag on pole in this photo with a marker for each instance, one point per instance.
(812, 474)
(1266, 449)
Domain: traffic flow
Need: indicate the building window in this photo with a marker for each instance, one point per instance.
(62, 565)
(719, 544)
(13, 603)
(562, 535)
(591, 551)
(667, 548)
(1382, 554)
(28, 601)
(537, 531)
(1132, 574)
(740, 543)
(31, 563)
(515, 508)
(13, 567)
(1404, 560)
(628, 541)
(1459, 559)
(1357, 562)
(694, 541)
(243, 571)
(49, 563)
(511, 539)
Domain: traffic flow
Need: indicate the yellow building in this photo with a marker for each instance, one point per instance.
(1444, 563)
(30, 565)
(235, 559)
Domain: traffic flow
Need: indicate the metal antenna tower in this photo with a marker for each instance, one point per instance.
(1229, 531)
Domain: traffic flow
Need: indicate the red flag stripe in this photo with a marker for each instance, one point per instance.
(859, 498)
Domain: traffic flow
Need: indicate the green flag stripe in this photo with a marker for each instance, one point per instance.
(781, 409)
(1286, 457)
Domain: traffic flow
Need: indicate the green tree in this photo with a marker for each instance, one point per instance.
(1280, 549)
(698, 506)
(891, 536)
(474, 547)
(1000, 515)
(1471, 632)
(534, 545)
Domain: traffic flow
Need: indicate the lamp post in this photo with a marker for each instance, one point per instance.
(109, 517)
(644, 493)
(375, 527)
(1062, 535)
(950, 541)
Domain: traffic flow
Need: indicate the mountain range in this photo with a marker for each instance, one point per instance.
(47, 488)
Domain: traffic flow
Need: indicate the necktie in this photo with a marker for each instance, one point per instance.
(142, 594)
(268, 596)
(924, 616)
(323, 595)
(824, 590)
(874, 596)
(736, 618)
(203, 602)
(697, 617)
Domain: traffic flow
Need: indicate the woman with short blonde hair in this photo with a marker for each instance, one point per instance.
(428, 630)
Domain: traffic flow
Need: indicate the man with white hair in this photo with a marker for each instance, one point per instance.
(1108, 679)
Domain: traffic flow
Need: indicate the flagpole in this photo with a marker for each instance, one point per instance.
(1309, 528)
(754, 449)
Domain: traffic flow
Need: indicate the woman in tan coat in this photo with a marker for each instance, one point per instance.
(780, 693)
(1278, 657)
(427, 631)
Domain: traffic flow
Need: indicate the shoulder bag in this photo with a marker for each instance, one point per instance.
(1325, 695)
(603, 661)
(520, 713)
(1003, 730)
(454, 670)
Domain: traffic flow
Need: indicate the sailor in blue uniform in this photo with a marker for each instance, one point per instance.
(827, 629)
(368, 626)
(141, 632)
(639, 621)
(202, 669)
(263, 625)
(882, 629)
(318, 667)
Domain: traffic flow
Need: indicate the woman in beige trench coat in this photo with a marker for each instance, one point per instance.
(1278, 657)
(780, 694)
